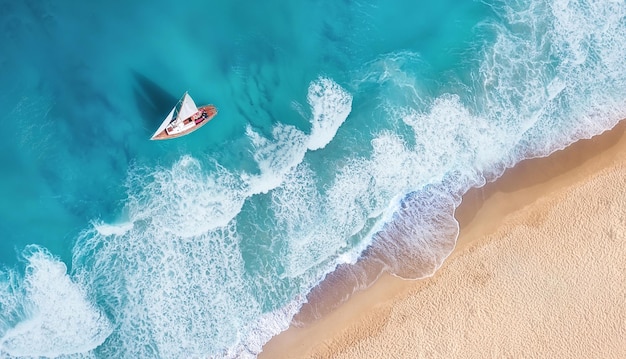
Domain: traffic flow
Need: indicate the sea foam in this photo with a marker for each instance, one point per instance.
(56, 316)
(213, 260)
(330, 105)
(550, 76)
(188, 288)
(535, 90)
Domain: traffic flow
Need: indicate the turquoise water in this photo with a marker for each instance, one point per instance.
(343, 127)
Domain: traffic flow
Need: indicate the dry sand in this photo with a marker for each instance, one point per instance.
(539, 272)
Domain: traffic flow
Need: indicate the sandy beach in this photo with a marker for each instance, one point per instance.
(538, 272)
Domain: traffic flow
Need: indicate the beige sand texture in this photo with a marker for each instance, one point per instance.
(550, 283)
(539, 272)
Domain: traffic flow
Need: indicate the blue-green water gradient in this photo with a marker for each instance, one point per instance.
(343, 127)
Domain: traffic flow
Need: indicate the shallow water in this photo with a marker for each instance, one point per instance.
(342, 127)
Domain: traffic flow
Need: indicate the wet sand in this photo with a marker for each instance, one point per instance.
(538, 271)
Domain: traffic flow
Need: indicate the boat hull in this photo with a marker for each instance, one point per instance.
(199, 119)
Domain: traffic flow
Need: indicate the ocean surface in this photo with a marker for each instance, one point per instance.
(345, 129)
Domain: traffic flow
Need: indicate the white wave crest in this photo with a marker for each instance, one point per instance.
(286, 148)
(330, 105)
(117, 229)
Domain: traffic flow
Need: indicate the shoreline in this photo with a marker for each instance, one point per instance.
(483, 212)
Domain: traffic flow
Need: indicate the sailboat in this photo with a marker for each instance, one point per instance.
(184, 118)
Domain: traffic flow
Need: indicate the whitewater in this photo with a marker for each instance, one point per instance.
(346, 131)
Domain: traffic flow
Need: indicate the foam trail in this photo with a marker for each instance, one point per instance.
(276, 156)
(57, 317)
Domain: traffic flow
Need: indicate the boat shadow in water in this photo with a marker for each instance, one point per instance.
(153, 101)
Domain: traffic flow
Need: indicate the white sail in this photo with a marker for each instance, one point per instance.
(166, 122)
(174, 122)
(187, 108)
